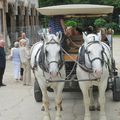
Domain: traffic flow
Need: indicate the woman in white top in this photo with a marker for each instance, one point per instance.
(15, 55)
(25, 60)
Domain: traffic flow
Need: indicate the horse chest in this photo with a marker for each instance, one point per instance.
(95, 83)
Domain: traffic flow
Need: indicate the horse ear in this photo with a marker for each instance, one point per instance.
(59, 35)
(44, 36)
(84, 36)
(99, 35)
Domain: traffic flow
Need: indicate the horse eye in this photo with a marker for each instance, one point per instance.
(59, 52)
(46, 52)
(88, 52)
(102, 51)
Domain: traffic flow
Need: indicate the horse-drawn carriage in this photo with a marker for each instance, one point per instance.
(75, 71)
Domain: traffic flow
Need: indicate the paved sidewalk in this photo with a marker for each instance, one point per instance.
(17, 101)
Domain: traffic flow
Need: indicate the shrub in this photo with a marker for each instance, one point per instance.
(112, 25)
(71, 23)
(100, 22)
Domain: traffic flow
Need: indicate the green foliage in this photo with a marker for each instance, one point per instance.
(115, 3)
(112, 25)
(43, 3)
(71, 23)
(100, 22)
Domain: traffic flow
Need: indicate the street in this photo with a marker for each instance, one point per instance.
(17, 101)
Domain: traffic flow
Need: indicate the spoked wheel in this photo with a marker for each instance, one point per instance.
(116, 88)
(37, 92)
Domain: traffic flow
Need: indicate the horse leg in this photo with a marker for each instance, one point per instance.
(102, 102)
(86, 101)
(58, 101)
(92, 106)
(46, 105)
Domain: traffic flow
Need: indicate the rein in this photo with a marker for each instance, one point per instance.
(76, 62)
(43, 62)
(85, 68)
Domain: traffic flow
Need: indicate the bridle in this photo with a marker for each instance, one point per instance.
(45, 63)
(96, 58)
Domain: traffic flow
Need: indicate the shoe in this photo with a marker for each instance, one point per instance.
(2, 85)
(21, 78)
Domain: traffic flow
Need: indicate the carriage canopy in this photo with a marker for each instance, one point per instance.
(77, 9)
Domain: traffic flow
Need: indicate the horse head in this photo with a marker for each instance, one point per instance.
(91, 37)
(53, 53)
(94, 51)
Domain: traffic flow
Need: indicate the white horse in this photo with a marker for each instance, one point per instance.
(47, 62)
(93, 69)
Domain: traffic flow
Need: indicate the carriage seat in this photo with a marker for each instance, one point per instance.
(74, 43)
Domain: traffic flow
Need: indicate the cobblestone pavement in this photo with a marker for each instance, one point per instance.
(17, 101)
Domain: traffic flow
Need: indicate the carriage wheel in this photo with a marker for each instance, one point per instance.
(37, 92)
(116, 89)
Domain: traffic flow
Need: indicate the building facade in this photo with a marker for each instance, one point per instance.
(18, 16)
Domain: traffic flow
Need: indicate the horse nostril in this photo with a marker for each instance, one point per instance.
(57, 73)
(95, 71)
(98, 72)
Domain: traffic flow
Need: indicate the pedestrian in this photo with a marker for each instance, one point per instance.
(2, 60)
(23, 36)
(25, 60)
(109, 34)
(15, 56)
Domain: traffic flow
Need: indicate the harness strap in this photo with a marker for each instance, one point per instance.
(35, 62)
(81, 58)
(41, 60)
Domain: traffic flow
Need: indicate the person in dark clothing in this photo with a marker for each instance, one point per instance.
(56, 24)
(2, 61)
(78, 30)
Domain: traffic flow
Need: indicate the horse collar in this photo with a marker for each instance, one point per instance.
(41, 60)
(81, 60)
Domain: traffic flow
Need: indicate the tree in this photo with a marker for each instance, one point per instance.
(115, 3)
(43, 3)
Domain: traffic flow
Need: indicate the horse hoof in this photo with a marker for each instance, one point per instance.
(43, 108)
(92, 108)
(61, 109)
(98, 108)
